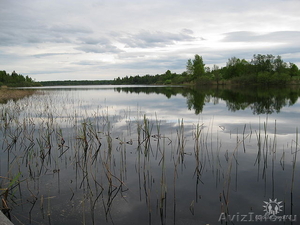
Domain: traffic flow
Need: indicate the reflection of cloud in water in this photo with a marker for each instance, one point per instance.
(116, 116)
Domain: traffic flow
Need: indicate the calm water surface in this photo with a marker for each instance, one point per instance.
(151, 155)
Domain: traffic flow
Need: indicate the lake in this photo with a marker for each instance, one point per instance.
(151, 155)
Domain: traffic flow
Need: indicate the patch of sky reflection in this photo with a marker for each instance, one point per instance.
(227, 137)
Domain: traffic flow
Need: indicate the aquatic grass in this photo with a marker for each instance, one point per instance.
(180, 141)
(7, 192)
(231, 160)
(274, 150)
(199, 164)
(209, 152)
(147, 130)
(294, 153)
(101, 157)
(174, 191)
(163, 190)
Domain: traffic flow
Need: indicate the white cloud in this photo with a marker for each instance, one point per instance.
(110, 38)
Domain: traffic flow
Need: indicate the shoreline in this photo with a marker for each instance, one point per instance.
(7, 94)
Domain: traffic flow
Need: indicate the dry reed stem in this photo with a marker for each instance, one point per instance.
(14, 94)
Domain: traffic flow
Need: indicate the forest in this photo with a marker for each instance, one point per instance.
(16, 80)
(261, 69)
(75, 82)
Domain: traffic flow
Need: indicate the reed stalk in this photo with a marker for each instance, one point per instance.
(294, 169)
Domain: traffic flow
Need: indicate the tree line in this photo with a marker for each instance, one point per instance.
(16, 80)
(75, 82)
(261, 69)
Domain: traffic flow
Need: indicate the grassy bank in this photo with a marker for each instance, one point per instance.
(14, 94)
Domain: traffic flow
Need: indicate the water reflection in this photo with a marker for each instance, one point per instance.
(92, 156)
(260, 100)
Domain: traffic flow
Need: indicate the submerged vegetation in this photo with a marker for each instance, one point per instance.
(64, 159)
(63, 162)
(7, 94)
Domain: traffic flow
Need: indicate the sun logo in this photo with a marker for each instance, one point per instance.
(272, 207)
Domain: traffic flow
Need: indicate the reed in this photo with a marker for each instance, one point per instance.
(199, 164)
(294, 169)
(225, 195)
(107, 152)
(180, 141)
(7, 192)
(163, 189)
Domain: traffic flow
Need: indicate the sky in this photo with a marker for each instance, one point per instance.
(106, 39)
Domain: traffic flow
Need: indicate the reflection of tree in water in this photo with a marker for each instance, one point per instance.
(259, 100)
(196, 101)
(268, 106)
(167, 91)
(264, 106)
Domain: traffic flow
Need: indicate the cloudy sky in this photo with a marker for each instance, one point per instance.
(104, 39)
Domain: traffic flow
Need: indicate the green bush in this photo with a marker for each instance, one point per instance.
(204, 80)
(264, 78)
(280, 78)
(272, 78)
(167, 82)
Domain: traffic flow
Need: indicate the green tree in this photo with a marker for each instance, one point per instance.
(216, 73)
(279, 65)
(236, 68)
(189, 67)
(263, 63)
(294, 71)
(196, 68)
(16, 80)
(199, 66)
(168, 75)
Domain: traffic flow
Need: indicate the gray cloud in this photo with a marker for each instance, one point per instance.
(153, 66)
(101, 44)
(147, 39)
(187, 31)
(35, 35)
(277, 36)
(94, 41)
(140, 37)
(50, 54)
(69, 28)
(90, 63)
(7, 38)
(98, 49)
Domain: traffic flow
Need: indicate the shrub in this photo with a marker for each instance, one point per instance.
(264, 78)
